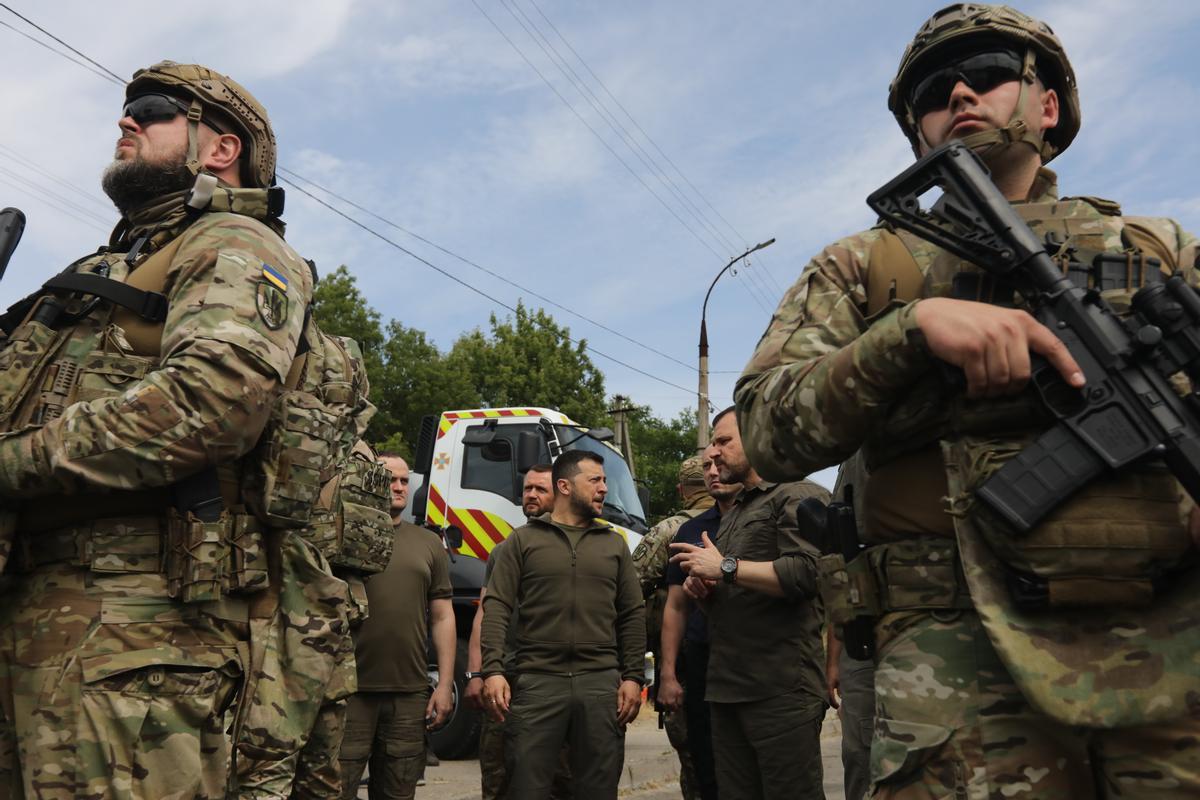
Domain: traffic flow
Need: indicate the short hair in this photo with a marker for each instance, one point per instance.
(721, 415)
(391, 454)
(540, 468)
(567, 465)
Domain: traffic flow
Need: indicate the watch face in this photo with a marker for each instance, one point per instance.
(728, 568)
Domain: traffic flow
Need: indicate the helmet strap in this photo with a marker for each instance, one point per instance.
(989, 144)
(194, 114)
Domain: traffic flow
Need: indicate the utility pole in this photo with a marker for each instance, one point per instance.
(702, 431)
(623, 406)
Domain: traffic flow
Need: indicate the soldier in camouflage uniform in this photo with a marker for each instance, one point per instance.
(1094, 692)
(141, 595)
(650, 557)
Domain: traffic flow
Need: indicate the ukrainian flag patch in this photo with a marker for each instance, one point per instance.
(274, 278)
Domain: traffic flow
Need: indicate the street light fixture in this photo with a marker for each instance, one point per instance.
(702, 430)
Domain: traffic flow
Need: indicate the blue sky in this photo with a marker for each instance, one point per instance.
(421, 111)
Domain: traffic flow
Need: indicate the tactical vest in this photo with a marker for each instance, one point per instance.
(1114, 542)
(99, 351)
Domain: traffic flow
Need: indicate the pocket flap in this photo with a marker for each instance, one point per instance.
(901, 748)
(98, 667)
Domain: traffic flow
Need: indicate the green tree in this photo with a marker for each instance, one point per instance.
(418, 379)
(340, 308)
(529, 361)
(659, 447)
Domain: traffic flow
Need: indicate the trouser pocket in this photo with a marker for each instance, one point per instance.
(911, 754)
(152, 722)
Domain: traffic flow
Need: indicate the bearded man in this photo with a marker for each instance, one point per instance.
(581, 639)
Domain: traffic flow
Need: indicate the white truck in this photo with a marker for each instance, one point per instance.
(466, 482)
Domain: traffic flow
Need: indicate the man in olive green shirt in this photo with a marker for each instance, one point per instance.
(537, 498)
(766, 682)
(581, 639)
(386, 719)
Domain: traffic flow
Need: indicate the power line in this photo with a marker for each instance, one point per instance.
(55, 206)
(485, 270)
(29, 164)
(474, 289)
(622, 133)
(114, 77)
(626, 139)
(110, 74)
(37, 187)
(646, 135)
(599, 138)
(40, 43)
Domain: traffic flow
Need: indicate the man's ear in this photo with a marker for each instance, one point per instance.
(221, 154)
(1049, 117)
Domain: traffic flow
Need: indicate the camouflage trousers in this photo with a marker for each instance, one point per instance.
(677, 734)
(493, 774)
(302, 669)
(110, 690)
(951, 723)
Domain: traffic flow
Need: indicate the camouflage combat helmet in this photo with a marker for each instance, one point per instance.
(691, 472)
(962, 24)
(226, 100)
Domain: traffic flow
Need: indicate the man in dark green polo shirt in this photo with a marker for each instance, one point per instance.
(386, 719)
(766, 682)
(581, 639)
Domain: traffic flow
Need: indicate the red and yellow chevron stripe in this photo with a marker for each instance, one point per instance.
(450, 417)
(481, 530)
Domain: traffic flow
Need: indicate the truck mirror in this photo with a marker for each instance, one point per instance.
(529, 450)
(479, 435)
(454, 537)
(643, 492)
(602, 434)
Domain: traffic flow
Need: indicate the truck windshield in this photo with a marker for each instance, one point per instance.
(621, 506)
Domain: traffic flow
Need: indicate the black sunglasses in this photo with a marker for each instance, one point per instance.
(982, 72)
(147, 108)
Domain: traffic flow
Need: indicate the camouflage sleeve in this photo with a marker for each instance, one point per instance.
(502, 591)
(651, 554)
(821, 373)
(631, 621)
(796, 566)
(237, 296)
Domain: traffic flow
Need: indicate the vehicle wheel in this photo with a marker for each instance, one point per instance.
(459, 737)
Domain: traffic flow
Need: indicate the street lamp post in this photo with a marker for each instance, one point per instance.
(702, 431)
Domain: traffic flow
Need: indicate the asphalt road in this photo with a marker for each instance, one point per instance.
(651, 769)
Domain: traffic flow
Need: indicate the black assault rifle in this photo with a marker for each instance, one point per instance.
(1127, 410)
(12, 225)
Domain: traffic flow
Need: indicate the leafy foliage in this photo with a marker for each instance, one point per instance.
(659, 447)
(523, 360)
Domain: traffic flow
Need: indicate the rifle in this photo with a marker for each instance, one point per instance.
(837, 533)
(12, 225)
(1127, 410)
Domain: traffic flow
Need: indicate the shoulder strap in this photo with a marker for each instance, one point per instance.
(892, 273)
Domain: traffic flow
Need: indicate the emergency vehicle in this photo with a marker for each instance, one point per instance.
(466, 482)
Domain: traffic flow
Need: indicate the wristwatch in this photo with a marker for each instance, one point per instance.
(729, 566)
(473, 675)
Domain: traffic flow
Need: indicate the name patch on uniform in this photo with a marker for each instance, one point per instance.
(271, 298)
